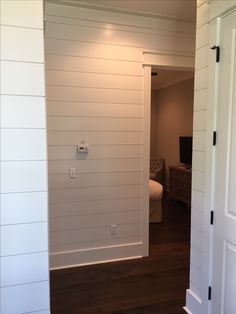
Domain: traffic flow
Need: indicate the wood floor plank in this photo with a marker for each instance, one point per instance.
(154, 284)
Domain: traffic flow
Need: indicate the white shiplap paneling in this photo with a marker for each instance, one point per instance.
(201, 58)
(199, 120)
(95, 152)
(28, 14)
(194, 302)
(198, 180)
(202, 15)
(95, 206)
(27, 207)
(118, 20)
(195, 290)
(199, 141)
(93, 50)
(22, 78)
(95, 124)
(23, 176)
(196, 258)
(94, 138)
(91, 234)
(95, 179)
(24, 144)
(201, 79)
(95, 220)
(95, 93)
(27, 298)
(29, 112)
(94, 80)
(96, 109)
(197, 239)
(197, 219)
(95, 193)
(22, 44)
(98, 166)
(202, 36)
(118, 38)
(33, 268)
(198, 161)
(86, 94)
(197, 199)
(23, 221)
(200, 99)
(17, 239)
(94, 65)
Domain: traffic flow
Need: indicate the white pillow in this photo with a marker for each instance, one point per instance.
(155, 190)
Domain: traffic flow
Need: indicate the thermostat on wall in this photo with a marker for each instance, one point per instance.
(82, 147)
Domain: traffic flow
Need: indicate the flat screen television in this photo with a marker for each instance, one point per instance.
(185, 150)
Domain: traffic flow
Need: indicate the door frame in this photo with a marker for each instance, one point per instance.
(217, 12)
(159, 61)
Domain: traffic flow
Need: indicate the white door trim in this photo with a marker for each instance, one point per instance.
(213, 101)
(147, 65)
(217, 12)
(146, 156)
(211, 114)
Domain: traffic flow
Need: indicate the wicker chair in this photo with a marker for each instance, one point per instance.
(157, 169)
(156, 174)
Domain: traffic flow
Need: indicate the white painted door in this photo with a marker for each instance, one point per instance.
(224, 229)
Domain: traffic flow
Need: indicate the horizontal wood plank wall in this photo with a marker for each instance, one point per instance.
(95, 89)
(24, 272)
(194, 303)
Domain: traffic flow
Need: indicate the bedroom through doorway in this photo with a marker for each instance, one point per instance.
(171, 129)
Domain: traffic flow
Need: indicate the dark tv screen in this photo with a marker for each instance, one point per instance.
(185, 149)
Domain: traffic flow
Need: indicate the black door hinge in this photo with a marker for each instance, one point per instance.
(209, 293)
(214, 138)
(217, 48)
(212, 217)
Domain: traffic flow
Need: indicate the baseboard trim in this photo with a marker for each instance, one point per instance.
(186, 310)
(193, 303)
(95, 256)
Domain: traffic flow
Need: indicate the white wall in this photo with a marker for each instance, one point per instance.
(195, 292)
(24, 277)
(172, 116)
(95, 83)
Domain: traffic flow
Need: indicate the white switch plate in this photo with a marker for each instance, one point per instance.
(72, 173)
(113, 230)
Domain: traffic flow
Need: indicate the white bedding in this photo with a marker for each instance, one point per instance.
(155, 206)
(155, 190)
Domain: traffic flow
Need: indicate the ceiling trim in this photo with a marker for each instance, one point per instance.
(100, 7)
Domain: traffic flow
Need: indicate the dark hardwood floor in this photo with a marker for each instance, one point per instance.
(154, 284)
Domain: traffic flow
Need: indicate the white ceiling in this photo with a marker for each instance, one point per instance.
(169, 77)
(177, 9)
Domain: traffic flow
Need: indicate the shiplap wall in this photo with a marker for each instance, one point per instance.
(194, 302)
(23, 221)
(95, 87)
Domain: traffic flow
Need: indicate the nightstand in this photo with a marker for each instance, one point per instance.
(180, 184)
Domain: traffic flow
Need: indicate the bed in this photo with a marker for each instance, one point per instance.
(155, 198)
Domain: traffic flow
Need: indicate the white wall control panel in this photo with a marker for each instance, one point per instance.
(82, 147)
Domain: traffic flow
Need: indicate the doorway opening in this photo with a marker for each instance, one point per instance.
(171, 129)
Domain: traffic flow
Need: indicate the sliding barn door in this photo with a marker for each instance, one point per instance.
(224, 229)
